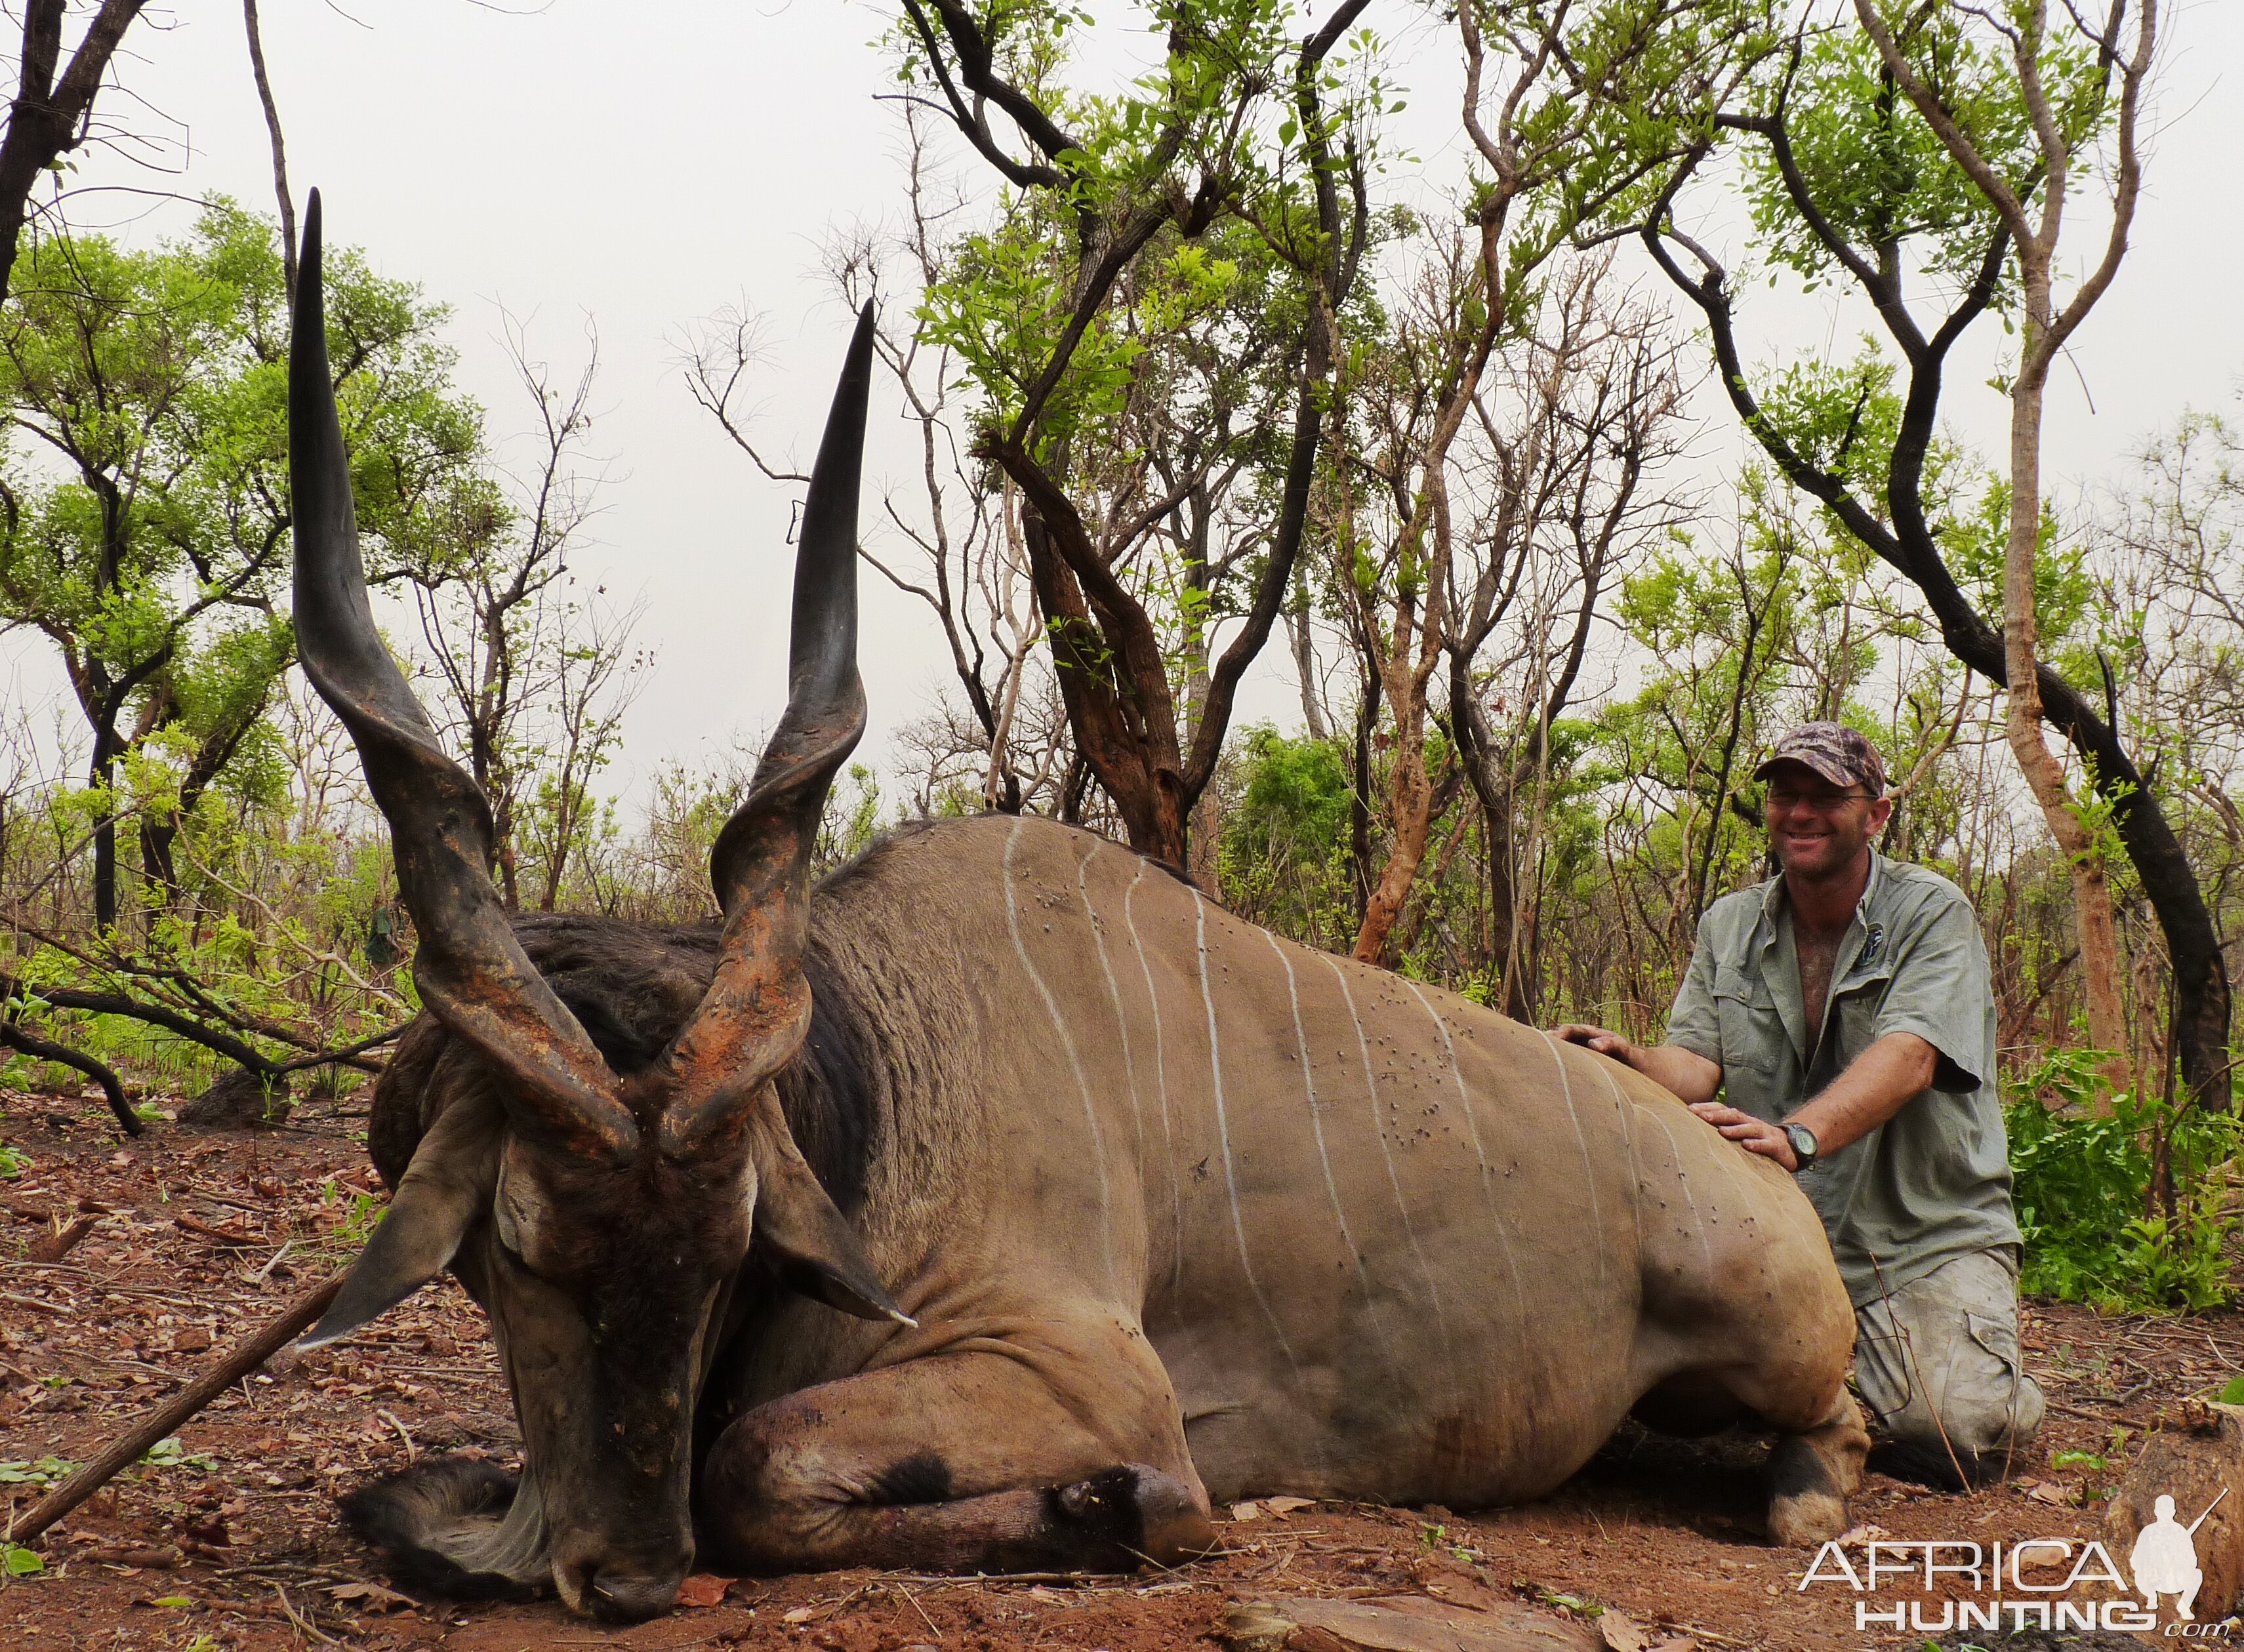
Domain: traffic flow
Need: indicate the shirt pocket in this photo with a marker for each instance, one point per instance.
(1858, 1004)
(1752, 1032)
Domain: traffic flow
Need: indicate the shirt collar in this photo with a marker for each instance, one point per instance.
(1772, 900)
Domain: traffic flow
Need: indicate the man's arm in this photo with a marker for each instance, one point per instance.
(1690, 1075)
(1690, 1061)
(1876, 1084)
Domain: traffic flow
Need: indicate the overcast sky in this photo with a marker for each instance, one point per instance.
(641, 166)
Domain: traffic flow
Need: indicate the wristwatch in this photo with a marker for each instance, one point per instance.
(1803, 1145)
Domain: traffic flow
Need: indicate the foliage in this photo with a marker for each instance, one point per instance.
(1876, 169)
(44, 1470)
(143, 476)
(2075, 1172)
(1284, 856)
(143, 532)
(168, 1453)
(847, 828)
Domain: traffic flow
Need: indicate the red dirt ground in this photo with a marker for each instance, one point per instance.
(233, 1541)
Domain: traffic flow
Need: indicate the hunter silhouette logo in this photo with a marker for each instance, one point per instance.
(2164, 1559)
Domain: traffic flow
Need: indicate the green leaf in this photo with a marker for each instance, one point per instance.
(169, 1453)
(44, 1470)
(2233, 1394)
(20, 1561)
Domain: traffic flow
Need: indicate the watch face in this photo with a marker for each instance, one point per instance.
(1803, 1144)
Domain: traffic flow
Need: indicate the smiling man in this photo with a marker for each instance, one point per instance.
(1845, 1012)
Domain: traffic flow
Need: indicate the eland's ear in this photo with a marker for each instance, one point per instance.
(447, 1186)
(819, 1252)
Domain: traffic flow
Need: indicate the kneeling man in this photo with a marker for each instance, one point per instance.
(1846, 1009)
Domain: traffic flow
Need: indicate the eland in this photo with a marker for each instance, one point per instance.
(1000, 1200)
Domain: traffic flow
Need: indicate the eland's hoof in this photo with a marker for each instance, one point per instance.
(1805, 1506)
(1136, 1514)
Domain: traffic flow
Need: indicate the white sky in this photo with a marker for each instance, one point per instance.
(642, 166)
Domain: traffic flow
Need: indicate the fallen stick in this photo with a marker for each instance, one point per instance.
(59, 1242)
(240, 1360)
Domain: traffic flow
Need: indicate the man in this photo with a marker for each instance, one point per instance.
(1846, 1010)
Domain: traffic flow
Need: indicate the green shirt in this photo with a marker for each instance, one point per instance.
(1931, 1183)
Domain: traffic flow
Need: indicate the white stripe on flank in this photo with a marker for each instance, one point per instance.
(1113, 992)
(1379, 1132)
(1223, 1134)
(1082, 1084)
(1472, 1128)
(1683, 1178)
(1317, 1130)
(1622, 1106)
(1161, 1073)
(1589, 1169)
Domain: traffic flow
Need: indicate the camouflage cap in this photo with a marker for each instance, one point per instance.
(1834, 751)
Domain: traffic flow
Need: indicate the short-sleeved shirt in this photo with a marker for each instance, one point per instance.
(1932, 1183)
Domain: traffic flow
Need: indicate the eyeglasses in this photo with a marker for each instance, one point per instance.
(1782, 800)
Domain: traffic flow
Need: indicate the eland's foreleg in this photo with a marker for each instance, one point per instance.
(966, 1461)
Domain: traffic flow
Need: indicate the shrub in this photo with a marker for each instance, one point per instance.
(2124, 1210)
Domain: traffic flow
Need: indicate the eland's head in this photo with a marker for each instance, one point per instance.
(600, 1209)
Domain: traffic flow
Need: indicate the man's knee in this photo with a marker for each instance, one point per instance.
(1994, 1411)
(1937, 1363)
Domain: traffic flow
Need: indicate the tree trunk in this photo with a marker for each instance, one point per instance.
(1359, 800)
(281, 194)
(1305, 662)
(159, 832)
(1495, 807)
(105, 838)
(1409, 812)
(2092, 892)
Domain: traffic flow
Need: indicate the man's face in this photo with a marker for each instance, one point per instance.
(1816, 829)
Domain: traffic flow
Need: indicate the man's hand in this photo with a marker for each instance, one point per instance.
(1754, 1135)
(1689, 1075)
(1605, 1042)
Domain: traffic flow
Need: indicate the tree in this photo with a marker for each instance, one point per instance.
(1570, 112)
(966, 560)
(1722, 627)
(52, 116)
(2165, 555)
(1182, 252)
(143, 502)
(1930, 58)
(1848, 180)
(595, 675)
(1590, 411)
(531, 672)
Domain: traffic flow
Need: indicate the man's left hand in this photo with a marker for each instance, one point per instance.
(1754, 1135)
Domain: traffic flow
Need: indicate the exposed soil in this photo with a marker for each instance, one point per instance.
(232, 1540)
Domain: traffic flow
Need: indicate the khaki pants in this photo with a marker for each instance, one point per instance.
(1936, 1364)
